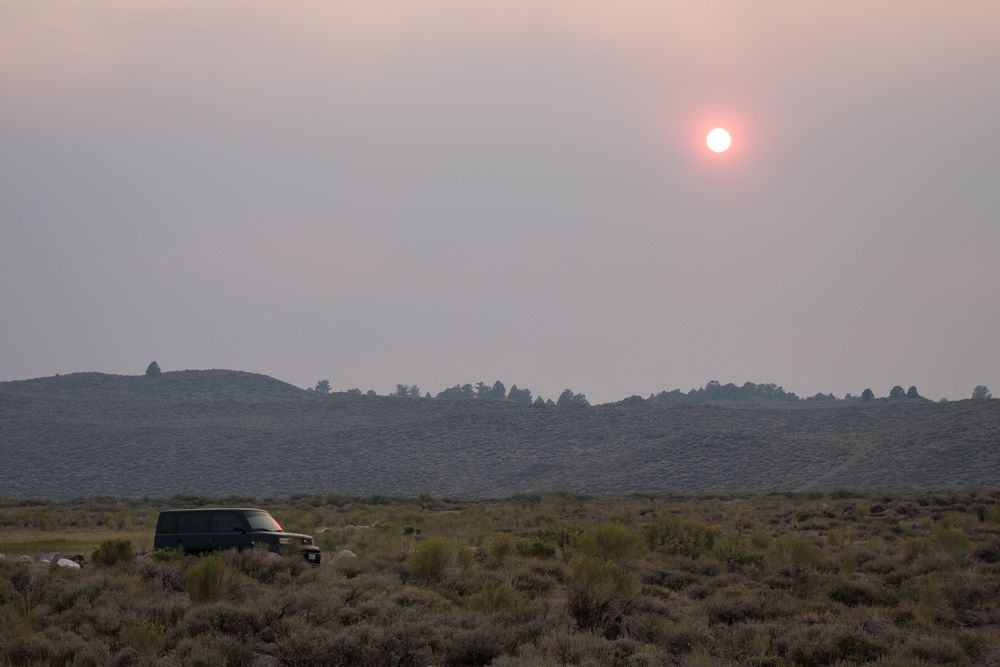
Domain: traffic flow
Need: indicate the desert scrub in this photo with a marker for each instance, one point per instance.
(211, 579)
(738, 555)
(793, 552)
(535, 547)
(953, 542)
(496, 599)
(167, 555)
(144, 637)
(112, 552)
(610, 541)
(682, 535)
(432, 557)
(597, 590)
(500, 547)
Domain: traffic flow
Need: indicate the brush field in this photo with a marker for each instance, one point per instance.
(808, 579)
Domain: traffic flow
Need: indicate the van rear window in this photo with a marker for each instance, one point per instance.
(192, 522)
(167, 523)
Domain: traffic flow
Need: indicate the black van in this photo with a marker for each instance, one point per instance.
(200, 530)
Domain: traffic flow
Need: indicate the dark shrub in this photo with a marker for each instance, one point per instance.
(535, 547)
(686, 536)
(858, 593)
(597, 590)
(856, 648)
(610, 541)
(112, 552)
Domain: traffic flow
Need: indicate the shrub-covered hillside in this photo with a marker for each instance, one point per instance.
(221, 432)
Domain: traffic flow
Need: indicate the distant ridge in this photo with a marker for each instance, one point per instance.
(191, 385)
(221, 432)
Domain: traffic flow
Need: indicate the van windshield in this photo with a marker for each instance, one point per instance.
(262, 521)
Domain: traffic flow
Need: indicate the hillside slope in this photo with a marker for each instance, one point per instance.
(222, 432)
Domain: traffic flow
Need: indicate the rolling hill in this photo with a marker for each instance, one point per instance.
(227, 432)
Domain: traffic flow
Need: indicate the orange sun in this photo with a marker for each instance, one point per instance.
(718, 140)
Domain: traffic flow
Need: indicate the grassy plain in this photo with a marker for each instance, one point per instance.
(809, 579)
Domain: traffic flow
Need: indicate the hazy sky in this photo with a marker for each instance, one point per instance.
(442, 192)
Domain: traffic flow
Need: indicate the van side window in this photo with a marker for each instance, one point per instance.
(224, 522)
(192, 522)
(167, 523)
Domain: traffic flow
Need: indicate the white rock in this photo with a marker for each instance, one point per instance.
(66, 562)
(344, 555)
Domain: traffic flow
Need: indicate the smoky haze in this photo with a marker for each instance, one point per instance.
(443, 192)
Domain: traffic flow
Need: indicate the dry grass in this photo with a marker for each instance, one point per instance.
(780, 580)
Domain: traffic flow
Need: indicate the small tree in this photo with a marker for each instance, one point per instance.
(152, 370)
(322, 387)
(568, 398)
(868, 395)
(897, 392)
(499, 392)
(912, 392)
(981, 393)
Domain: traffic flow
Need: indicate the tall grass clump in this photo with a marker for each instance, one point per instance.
(210, 579)
(500, 547)
(597, 590)
(794, 552)
(112, 552)
(610, 541)
(953, 541)
(535, 547)
(433, 556)
(681, 535)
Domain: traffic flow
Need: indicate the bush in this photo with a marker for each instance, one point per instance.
(210, 579)
(496, 599)
(535, 547)
(144, 637)
(737, 555)
(597, 589)
(610, 541)
(112, 552)
(433, 556)
(939, 650)
(794, 552)
(953, 541)
(500, 547)
(681, 535)
(857, 593)
(168, 555)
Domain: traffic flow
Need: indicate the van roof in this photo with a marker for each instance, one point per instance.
(215, 509)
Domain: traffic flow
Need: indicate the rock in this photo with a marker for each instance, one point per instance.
(346, 554)
(478, 553)
(263, 660)
(24, 559)
(66, 562)
(3, 556)
(47, 558)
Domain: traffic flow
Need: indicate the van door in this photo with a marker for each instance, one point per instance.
(192, 531)
(227, 530)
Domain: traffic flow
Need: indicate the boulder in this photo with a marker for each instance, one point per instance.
(48, 558)
(24, 559)
(66, 562)
(346, 554)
